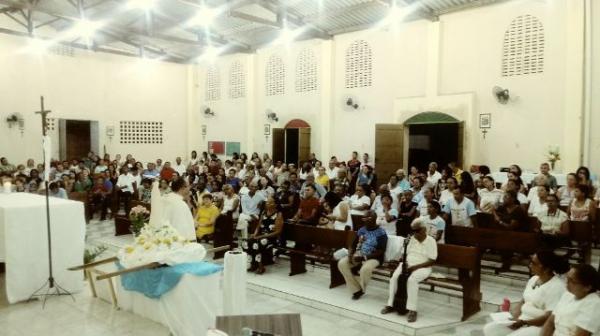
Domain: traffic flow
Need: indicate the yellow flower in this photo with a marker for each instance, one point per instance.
(147, 246)
(129, 249)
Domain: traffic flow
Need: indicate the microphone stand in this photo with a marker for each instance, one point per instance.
(50, 287)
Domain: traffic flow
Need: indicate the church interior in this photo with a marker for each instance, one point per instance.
(300, 167)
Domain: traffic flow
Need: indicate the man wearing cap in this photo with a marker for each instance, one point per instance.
(421, 254)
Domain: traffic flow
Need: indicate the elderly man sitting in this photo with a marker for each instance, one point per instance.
(420, 253)
(368, 252)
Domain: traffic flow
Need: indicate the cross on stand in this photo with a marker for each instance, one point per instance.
(51, 286)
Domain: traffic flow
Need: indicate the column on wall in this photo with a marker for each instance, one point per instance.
(571, 150)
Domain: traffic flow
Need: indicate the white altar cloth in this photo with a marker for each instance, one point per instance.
(190, 308)
(24, 246)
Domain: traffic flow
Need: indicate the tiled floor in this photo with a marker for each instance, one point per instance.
(323, 311)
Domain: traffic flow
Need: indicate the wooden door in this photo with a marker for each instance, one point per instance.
(460, 148)
(78, 140)
(278, 149)
(303, 144)
(389, 149)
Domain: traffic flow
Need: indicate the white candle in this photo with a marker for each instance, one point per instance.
(7, 187)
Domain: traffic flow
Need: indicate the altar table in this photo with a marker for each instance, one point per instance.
(24, 243)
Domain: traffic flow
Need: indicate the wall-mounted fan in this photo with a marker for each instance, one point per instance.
(350, 103)
(207, 111)
(272, 116)
(501, 95)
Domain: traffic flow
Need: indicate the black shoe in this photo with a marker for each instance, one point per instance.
(387, 310)
(402, 312)
(357, 295)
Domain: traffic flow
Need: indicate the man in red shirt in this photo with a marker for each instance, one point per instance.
(309, 207)
(100, 196)
(167, 172)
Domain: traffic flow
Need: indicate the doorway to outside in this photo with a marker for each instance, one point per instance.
(291, 144)
(426, 137)
(77, 138)
(434, 136)
(432, 143)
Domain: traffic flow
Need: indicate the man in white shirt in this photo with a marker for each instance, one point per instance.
(176, 209)
(332, 170)
(421, 254)
(460, 209)
(433, 176)
(125, 187)
(251, 203)
(179, 167)
(101, 167)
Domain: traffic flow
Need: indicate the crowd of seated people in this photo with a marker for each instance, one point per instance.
(262, 195)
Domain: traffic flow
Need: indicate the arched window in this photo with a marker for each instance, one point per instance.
(523, 50)
(306, 71)
(237, 80)
(213, 83)
(275, 76)
(359, 65)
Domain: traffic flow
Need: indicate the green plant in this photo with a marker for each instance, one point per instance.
(90, 255)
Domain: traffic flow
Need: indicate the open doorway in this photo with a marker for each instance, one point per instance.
(292, 143)
(435, 142)
(77, 138)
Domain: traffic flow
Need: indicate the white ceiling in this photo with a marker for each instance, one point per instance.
(242, 26)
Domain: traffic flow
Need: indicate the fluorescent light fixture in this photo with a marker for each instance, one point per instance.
(204, 17)
(37, 46)
(85, 28)
(287, 36)
(141, 4)
(210, 54)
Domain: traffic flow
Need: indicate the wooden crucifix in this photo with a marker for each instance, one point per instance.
(43, 114)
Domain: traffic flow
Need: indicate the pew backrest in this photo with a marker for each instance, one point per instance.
(328, 238)
(461, 257)
(499, 240)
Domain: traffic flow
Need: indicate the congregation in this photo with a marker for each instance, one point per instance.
(418, 204)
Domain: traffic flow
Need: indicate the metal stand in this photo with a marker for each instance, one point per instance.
(50, 287)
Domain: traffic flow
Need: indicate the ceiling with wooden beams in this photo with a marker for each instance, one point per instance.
(166, 30)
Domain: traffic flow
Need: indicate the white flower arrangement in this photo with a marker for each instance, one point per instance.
(163, 245)
(553, 154)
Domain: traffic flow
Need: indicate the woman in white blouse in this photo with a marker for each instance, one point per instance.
(540, 297)
(566, 193)
(554, 224)
(340, 215)
(577, 313)
(538, 204)
(360, 202)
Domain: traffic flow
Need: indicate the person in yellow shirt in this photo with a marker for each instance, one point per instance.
(205, 216)
(322, 178)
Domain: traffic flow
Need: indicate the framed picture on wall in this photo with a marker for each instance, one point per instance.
(267, 129)
(485, 120)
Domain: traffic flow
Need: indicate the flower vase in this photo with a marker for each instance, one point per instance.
(557, 166)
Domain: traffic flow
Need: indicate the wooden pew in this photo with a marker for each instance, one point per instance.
(467, 260)
(493, 239)
(582, 234)
(318, 244)
(504, 242)
(122, 222)
(82, 197)
(223, 234)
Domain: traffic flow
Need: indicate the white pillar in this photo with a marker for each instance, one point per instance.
(327, 100)
(571, 149)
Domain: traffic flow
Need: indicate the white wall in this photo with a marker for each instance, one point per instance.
(594, 150)
(426, 65)
(90, 86)
(450, 66)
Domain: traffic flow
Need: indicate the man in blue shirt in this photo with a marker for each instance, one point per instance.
(364, 257)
